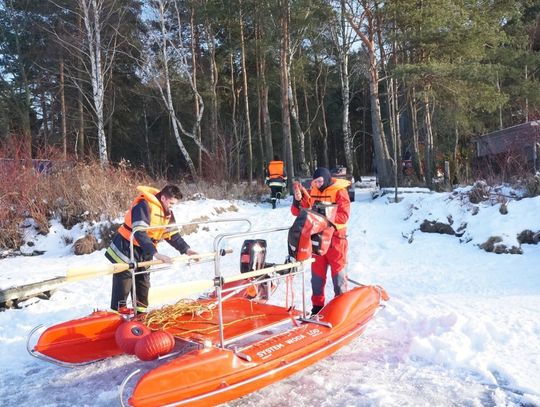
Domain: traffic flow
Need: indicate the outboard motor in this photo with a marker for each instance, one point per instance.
(252, 255)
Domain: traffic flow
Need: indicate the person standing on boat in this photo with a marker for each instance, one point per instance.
(275, 179)
(151, 207)
(326, 189)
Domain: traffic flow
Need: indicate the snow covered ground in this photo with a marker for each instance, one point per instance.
(462, 327)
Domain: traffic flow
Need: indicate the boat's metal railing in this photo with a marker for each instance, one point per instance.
(218, 279)
(30, 349)
(133, 263)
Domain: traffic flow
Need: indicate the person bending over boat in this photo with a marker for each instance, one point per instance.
(325, 189)
(151, 207)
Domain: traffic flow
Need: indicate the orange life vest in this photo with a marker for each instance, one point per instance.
(157, 216)
(329, 195)
(275, 169)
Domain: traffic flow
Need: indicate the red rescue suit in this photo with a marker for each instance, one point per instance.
(336, 256)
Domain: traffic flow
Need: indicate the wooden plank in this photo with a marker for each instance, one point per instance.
(161, 294)
(99, 270)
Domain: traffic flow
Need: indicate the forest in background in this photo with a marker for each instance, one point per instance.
(213, 89)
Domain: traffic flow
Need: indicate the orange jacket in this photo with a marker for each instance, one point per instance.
(276, 170)
(157, 217)
(335, 193)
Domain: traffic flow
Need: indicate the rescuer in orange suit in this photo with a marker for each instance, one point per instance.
(326, 189)
(276, 179)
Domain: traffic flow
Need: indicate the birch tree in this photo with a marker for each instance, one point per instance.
(97, 42)
(173, 53)
(344, 39)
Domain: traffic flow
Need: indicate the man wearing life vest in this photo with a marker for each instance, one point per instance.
(275, 179)
(151, 207)
(325, 189)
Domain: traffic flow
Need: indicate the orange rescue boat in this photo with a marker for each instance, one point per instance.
(234, 342)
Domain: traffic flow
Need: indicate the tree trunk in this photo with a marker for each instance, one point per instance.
(455, 173)
(308, 132)
(246, 97)
(304, 169)
(167, 95)
(392, 138)
(237, 143)
(23, 108)
(383, 164)
(501, 126)
(284, 81)
(415, 153)
(260, 137)
(80, 102)
(214, 78)
(109, 123)
(45, 125)
(194, 41)
(80, 136)
(345, 94)
(63, 109)
(147, 141)
(263, 95)
(320, 92)
(92, 11)
(428, 153)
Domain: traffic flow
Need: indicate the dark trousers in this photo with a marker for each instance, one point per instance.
(122, 286)
(276, 192)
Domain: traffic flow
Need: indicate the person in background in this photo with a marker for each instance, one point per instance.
(151, 207)
(275, 179)
(326, 189)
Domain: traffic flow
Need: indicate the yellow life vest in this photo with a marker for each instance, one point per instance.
(157, 216)
(329, 195)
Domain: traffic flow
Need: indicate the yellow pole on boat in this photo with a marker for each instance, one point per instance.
(159, 295)
(93, 271)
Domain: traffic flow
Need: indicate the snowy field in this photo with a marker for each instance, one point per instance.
(462, 327)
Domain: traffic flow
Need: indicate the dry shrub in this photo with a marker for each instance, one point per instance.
(189, 229)
(74, 192)
(494, 245)
(428, 226)
(528, 237)
(91, 192)
(219, 210)
(71, 191)
(85, 245)
(228, 191)
(479, 192)
(18, 200)
(106, 233)
(532, 184)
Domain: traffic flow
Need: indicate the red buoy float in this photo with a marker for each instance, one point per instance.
(156, 344)
(128, 334)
